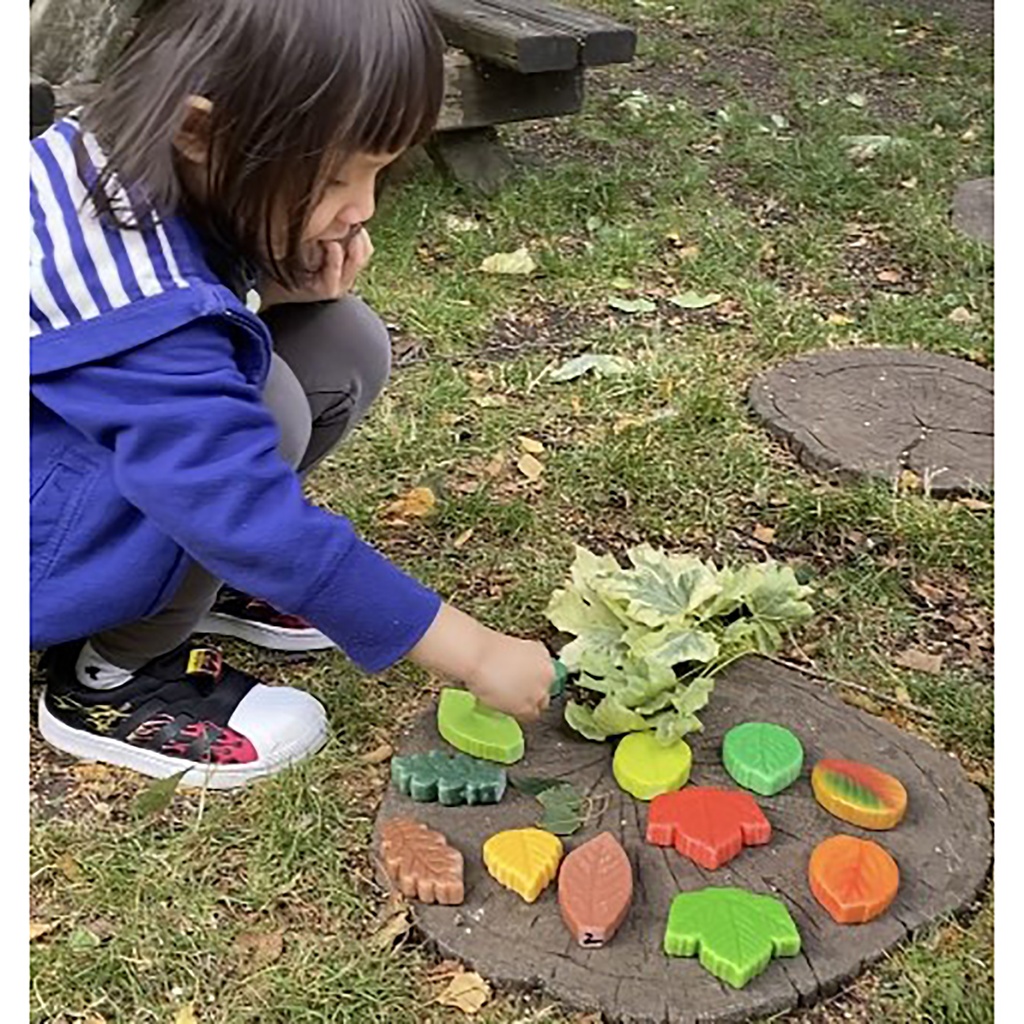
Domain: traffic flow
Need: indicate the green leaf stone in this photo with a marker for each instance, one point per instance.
(734, 933)
(478, 730)
(449, 779)
(763, 757)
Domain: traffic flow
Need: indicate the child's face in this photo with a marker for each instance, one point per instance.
(348, 198)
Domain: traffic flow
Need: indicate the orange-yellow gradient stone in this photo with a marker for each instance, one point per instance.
(859, 794)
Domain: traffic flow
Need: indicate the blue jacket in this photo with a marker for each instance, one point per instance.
(150, 443)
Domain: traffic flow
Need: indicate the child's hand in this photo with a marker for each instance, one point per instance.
(515, 676)
(339, 265)
(505, 673)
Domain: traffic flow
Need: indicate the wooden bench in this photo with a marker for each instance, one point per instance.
(509, 60)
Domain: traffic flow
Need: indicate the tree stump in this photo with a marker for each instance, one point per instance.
(974, 209)
(943, 848)
(877, 412)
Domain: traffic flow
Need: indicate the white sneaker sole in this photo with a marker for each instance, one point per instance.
(89, 747)
(274, 638)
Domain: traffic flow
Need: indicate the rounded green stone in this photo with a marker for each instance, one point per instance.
(762, 757)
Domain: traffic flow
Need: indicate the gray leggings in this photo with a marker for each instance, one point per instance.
(331, 360)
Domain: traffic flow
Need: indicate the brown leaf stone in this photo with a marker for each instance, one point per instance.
(595, 888)
(421, 863)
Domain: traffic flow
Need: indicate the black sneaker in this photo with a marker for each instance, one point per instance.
(249, 618)
(185, 711)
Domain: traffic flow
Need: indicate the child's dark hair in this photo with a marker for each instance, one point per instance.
(291, 82)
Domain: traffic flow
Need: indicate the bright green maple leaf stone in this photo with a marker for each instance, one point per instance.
(734, 933)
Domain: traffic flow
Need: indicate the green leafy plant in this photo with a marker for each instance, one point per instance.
(650, 638)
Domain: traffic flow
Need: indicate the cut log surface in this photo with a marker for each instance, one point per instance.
(878, 411)
(943, 848)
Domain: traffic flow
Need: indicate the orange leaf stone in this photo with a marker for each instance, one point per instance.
(421, 863)
(595, 888)
(855, 880)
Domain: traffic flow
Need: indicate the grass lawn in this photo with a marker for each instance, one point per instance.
(715, 163)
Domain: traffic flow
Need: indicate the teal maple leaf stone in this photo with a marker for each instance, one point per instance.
(449, 779)
(733, 932)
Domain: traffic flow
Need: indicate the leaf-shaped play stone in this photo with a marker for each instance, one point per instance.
(644, 768)
(478, 730)
(855, 880)
(448, 779)
(421, 863)
(524, 860)
(710, 826)
(595, 888)
(859, 793)
(762, 756)
(734, 933)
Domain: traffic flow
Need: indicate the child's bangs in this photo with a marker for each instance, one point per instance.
(402, 90)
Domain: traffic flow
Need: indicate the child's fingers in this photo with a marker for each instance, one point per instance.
(333, 274)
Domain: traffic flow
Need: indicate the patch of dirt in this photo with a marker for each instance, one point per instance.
(541, 327)
(975, 16)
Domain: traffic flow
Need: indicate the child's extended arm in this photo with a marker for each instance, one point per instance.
(193, 447)
(505, 672)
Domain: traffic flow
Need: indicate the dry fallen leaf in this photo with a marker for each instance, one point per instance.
(445, 969)
(259, 949)
(94, 1018)
(919, 661)
(186, 1015)
(394, 926)
(415, 504)
(37, 929)
(909, 480)
(962, 315)
(930, 593)
(68, 867)
(764, 534)
(532, 468)
(902, 694)
(839, 319)
(378, 754)
(519, 262)
(975, 505)
(889, 276)
(466, 992)
(531, 445)
(463, 538)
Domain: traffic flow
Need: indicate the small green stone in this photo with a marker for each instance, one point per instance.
(762, 757)
(449, 779)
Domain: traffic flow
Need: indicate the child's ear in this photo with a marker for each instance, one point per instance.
(192, 139)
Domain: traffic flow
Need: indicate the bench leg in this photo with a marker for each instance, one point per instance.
(474, 158)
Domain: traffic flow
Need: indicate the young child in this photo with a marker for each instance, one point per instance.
(232, 156)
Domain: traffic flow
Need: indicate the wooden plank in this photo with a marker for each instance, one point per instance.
(505, 38)
(478, 94)
(601, 39)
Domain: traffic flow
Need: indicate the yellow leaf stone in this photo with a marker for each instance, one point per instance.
(645, 768)
(524, 860)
